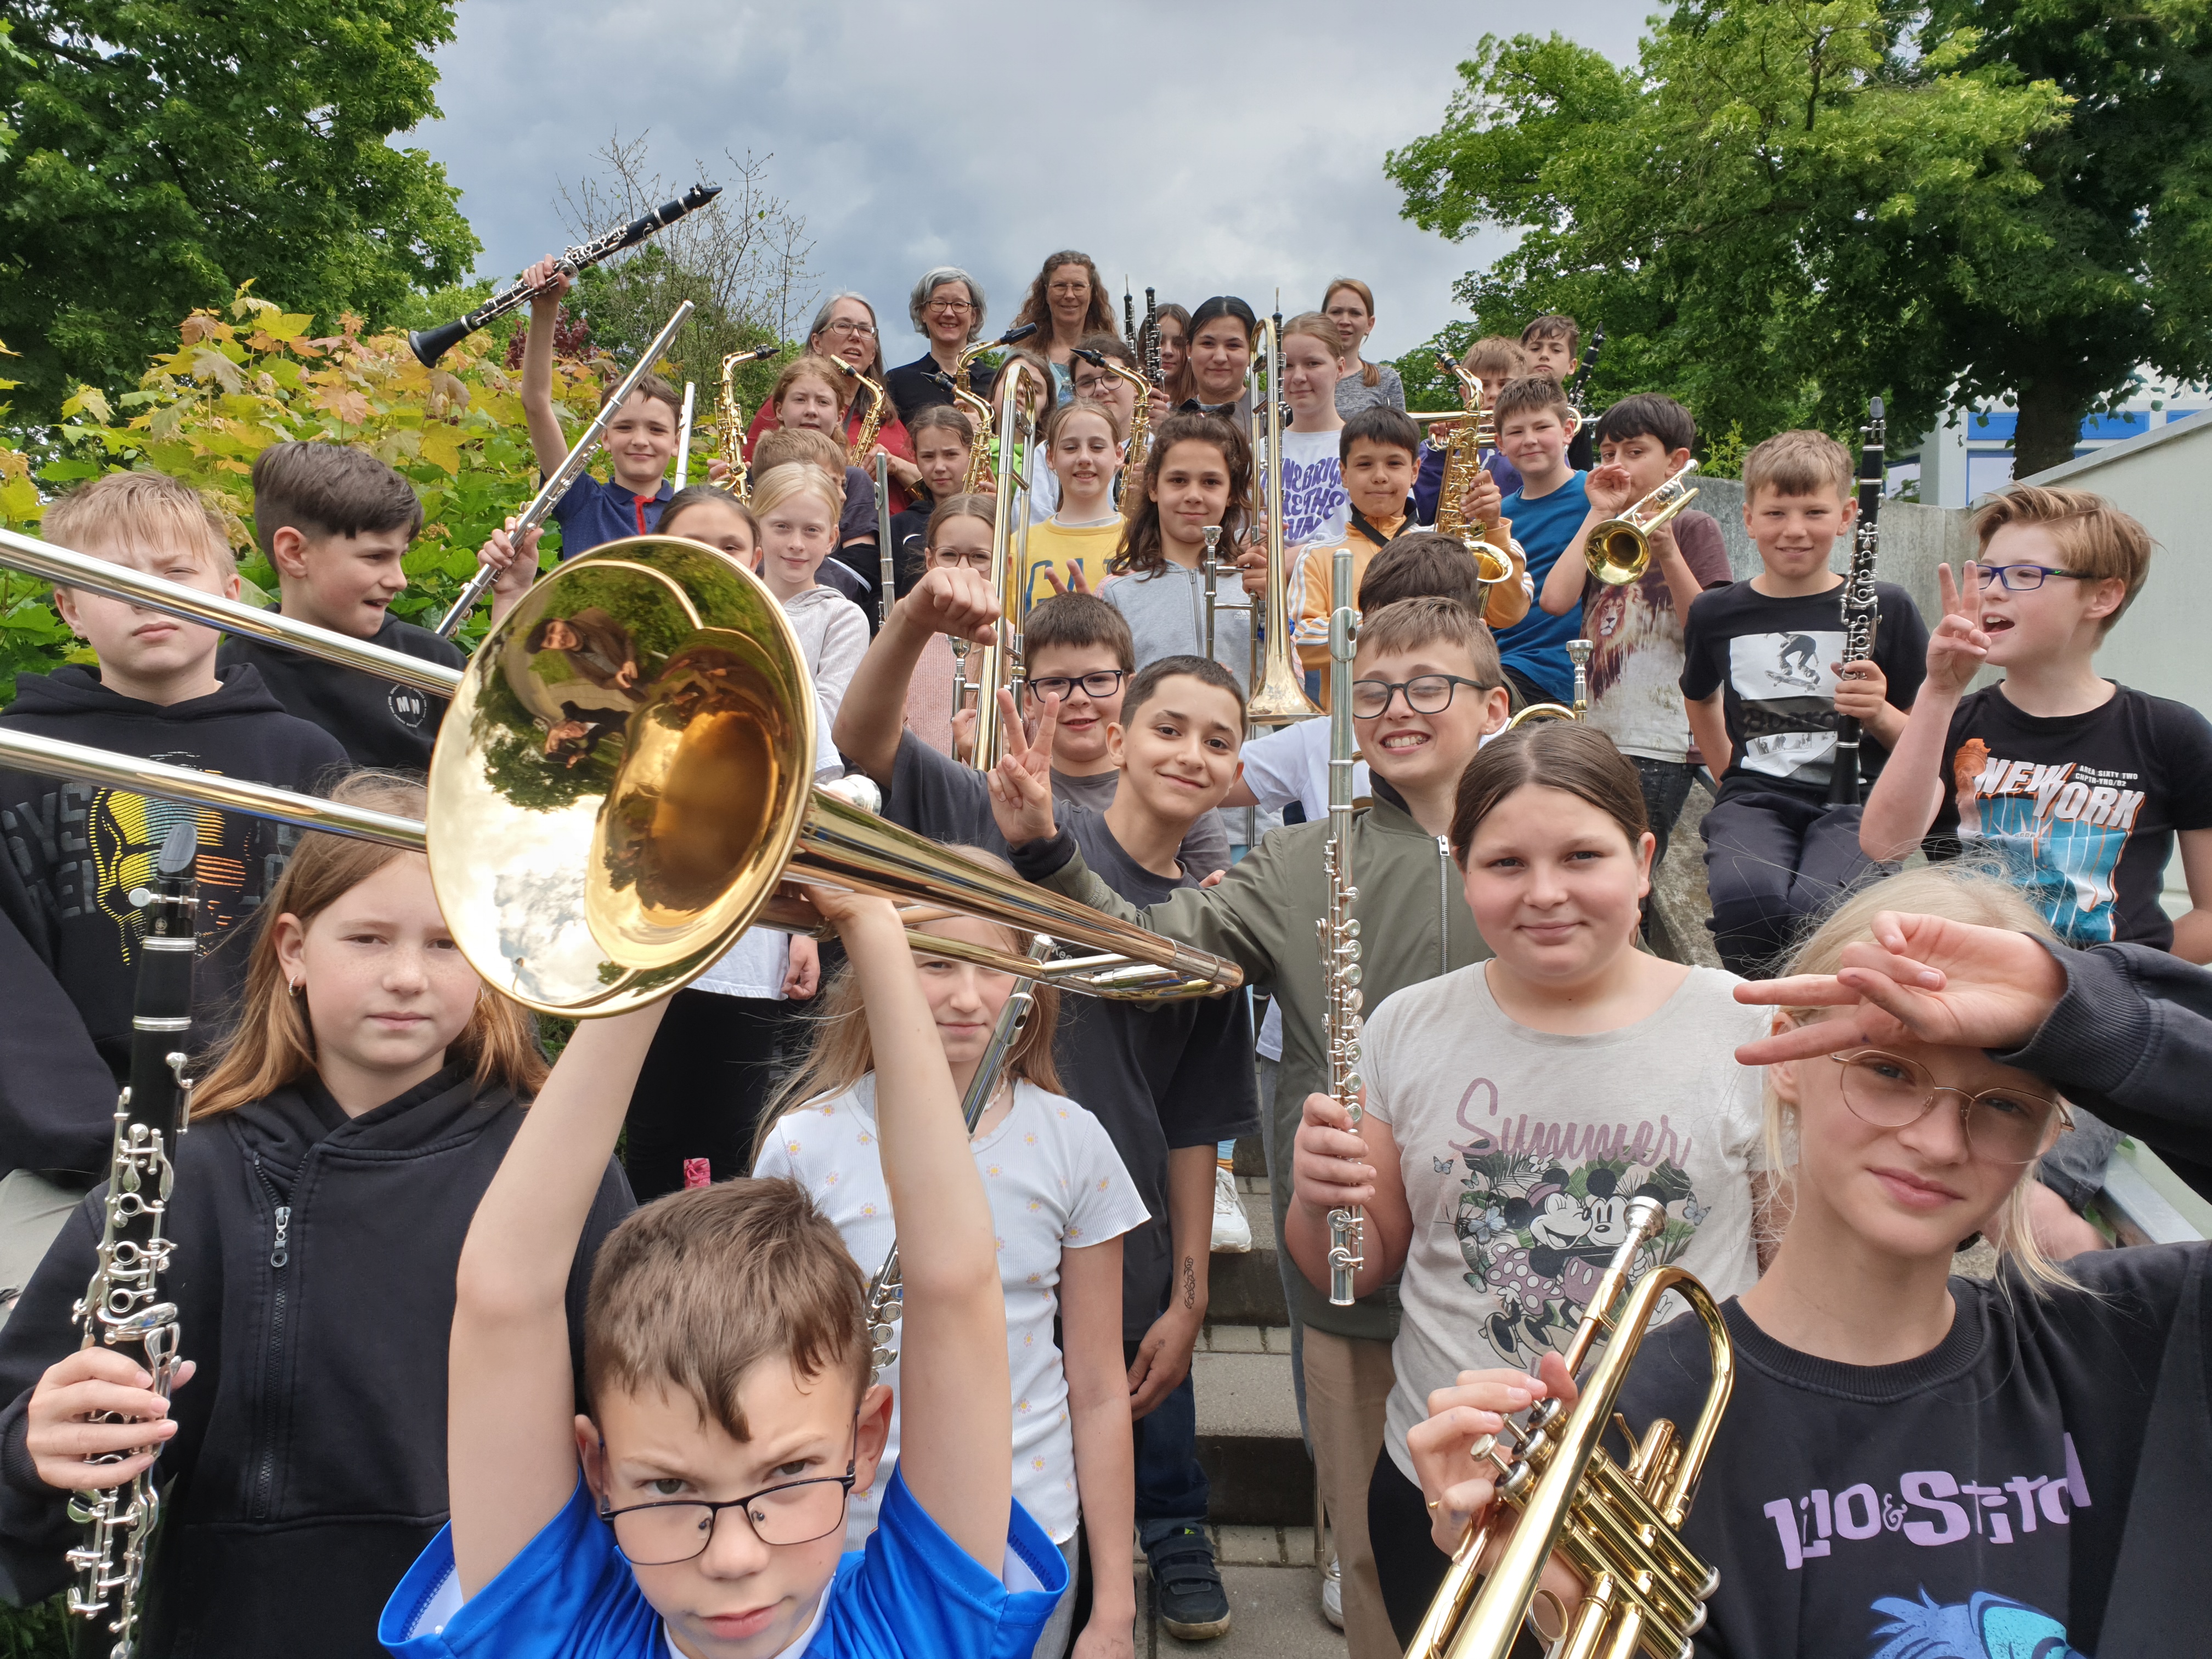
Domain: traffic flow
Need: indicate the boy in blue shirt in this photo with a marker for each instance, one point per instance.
(727, 1372)
(640, 441)
(1545, 512)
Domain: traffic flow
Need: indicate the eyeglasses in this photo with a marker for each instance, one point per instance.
(2005, 1125)
(979, 560)
(796, 1512)
(1101, 682)
(1425, 693)
(853, 330)
(949, 308)
(2026, 578)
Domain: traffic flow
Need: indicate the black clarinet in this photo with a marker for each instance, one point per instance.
(1859, 602)
(121, 1307)
(1576, 387)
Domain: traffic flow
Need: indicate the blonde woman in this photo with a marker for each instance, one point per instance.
(1911, 1463)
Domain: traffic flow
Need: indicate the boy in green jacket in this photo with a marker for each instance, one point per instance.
(1438, 667)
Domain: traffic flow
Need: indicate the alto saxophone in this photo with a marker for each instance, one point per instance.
(1339, 929)
(864, 440)
(120, 1307)
(1465, 439)
(730, 428)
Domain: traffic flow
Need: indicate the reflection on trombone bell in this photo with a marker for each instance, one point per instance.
(598, 838)
(1578, 653)
(1619, 550)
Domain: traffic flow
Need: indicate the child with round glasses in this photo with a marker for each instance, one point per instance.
(1912, 1463)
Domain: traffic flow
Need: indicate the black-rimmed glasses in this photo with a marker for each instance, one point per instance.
(1101, 682)
(660, 1534)
(2026, 578)
(1425, 693)
(2005, 1125)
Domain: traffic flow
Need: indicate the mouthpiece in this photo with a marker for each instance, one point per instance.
(1015, 335)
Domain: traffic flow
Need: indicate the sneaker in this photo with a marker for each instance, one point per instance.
(1187, 1587)
(1232, 1232)
(1332, 1594)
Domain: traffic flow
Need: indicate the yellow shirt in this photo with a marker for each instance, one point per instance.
(1055, 547)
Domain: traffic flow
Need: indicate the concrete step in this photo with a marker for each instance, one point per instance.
(1248, 1444)
(1245, 1288)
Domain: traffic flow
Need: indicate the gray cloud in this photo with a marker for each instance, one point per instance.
(1198, 148)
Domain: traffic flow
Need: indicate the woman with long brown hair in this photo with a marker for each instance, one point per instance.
(1061, 1200)
(338, 1148)
(1068, 300)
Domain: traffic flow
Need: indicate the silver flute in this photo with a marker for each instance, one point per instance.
(122, 1307)
(565, 475)
(1339, 929)
(886, 1291)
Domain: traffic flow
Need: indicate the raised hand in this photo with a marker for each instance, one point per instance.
(1958, 644)
(552, 281)
(1021, 783)
(1607, 487)
(1076, 583)
(1947, 983)
(954, 600)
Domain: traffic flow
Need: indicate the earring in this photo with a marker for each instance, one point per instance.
(295, 985)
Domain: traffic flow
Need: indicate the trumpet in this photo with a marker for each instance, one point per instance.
(1617, 1525)
(1619, 550)
(430, 344)
(1578, 653)
(597, 841)
(1277, 694)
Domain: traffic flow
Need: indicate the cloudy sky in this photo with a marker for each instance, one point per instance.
(1200, 147)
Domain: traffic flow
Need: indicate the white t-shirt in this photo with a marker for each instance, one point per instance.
(1315, 508)
(1054, 1182)
(1290, 763)
(1521, 1149)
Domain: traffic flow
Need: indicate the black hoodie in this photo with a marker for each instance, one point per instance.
(74, 851)
(308, 1469)
(381, 722)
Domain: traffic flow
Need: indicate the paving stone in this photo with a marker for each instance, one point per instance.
(1248, 1546)
(1275, 1613)
(1234, 1338)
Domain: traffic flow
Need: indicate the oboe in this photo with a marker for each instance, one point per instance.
(1339, 929)
(120, 1309)
(1859, 601)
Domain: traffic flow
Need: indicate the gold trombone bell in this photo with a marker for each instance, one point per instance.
(623, 784)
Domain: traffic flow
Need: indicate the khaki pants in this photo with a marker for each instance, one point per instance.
(1347, 1384)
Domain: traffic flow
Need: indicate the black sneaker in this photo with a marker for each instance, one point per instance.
(1187, 1586)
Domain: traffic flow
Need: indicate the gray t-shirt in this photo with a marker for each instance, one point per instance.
(1204, 850)
(1354, 394)
(1159, 1077)
(1519, 1150)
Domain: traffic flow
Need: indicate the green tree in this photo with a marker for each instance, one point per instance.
(165, 151)
(1784, 206)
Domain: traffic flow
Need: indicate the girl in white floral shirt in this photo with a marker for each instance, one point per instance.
(1062, 1199)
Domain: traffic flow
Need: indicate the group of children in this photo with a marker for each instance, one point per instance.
(374, 1236)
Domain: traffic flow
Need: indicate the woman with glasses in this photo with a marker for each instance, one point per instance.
(1066, 302)
(844, 331)
(947, 309)
(1914, 1463)
(1516, 1107)
(1060, 1200)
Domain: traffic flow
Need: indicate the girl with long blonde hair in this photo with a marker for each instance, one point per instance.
(1916, 1463)
(1060, 1200)
(338, 1147)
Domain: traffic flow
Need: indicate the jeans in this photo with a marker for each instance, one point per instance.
(1665, 786)
(1171, 1488)
(2075, 1167)
(1774, 863)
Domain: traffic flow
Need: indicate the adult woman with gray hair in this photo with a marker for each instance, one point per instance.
(845, 329)
(947, 308)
